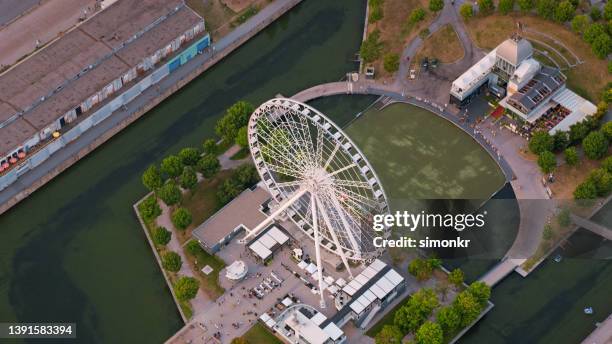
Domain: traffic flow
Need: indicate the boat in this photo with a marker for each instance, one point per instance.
(557, 258)
(588, 310)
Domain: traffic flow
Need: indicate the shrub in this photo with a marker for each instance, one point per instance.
(186, 288)
(151, 178)
(602, 45)
(547, 162)
(171, 261)
(526, 5)
(546, 8)
(161, 236)
(595, 145)
(595, 13)
(189, 156)
(456, 277)
(607, 164)
(181, 218)
(376, 10)
(210, 147)
(172, 166)
(607, 13)
(371, 48)
(391, 62)
(466, 11)
(170, 194)
(560, 140)
(586, 190)
(602, 179)
(547, 233)
(505, 6)
(209, 165)
(564, 11)
(571, 156)
(420, 269)
(417, 15)
(579, 23)
(149, 209)
(485, 6)
(593, 31)
(188, 178)
(436, 5)
(540, 142)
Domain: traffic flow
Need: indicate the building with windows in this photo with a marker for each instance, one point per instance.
(80, 79)
(534, 93)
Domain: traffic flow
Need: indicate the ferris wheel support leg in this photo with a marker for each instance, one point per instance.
(339, 250)
(270, 219)
(349, 230)
(315, 224)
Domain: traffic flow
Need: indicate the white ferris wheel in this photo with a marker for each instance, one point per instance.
(319, 178)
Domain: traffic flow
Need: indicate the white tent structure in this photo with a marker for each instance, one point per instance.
(236, 271)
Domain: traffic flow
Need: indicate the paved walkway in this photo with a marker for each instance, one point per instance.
(602, 334)
(592, 226)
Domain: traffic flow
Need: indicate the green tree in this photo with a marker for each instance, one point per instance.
(586, 190)
(186, 288)
(193, 247)
(607, 12)
(188, 179)
(486, 6)
(481, 291)
(436, 5)
(541, 141)
(602, 180)
(456, 277)
(560, 140)
(236, 117)
(169, 193)
(467, 306)
(189, 156)
(227, 191)
(526, 5)
(171, 261)
(547, 162)
(564, 217)
(418, 308)
(505, 6)
(547, 233)
(242, 138)
(579, 23)
(389, 334)
(245, 175)
(466, 10)
(564, 11)
(417, 15)
(172, 166)
(593, 31)
(602, 45)
(161, 236)
(571, 156)
(429, 333)
(210, 147)
(209, 165)
(151, 178)
(595, 13)
(449, 319)
(391, 62)
(546, 8)
(607, 164)
(420, 269)
(376, 10)
(578, 131)
(595, 145)
(181, 218)
(372, 47)
(149, 209)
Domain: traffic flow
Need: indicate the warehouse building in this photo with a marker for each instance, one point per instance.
(79, 80)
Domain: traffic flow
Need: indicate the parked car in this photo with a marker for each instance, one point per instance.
(425, 62)
(434, 63)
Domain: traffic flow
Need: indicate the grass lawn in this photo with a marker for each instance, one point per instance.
(260, 334)
(587, 79)
(445, 37)
(241, 154)
(208, 283)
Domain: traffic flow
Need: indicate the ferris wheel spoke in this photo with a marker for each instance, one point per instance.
(290, 184)
(284, 170)
(280, 151)
(351, 183)
(345, 168)
(346, 193)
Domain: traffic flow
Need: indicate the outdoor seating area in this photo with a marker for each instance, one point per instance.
(551, 118)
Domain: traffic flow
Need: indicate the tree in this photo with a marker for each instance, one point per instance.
(541, 141)
(602, 45)
(481, 292)
(485, 6)
(171, 261)
(169, 193)
(172, 166)
(595, 13)
(586, 190)
(161, 236)
(456, 277)
(607, 12)
(564, 11)
(466, 11)
(560, 140)
(607, 164)
(242, 138)
(209, 165)
(149, 209)
(391, 62)
(188, 179)
(181, 218)
(429, 333)
(417, 15)
(526, 5)
(547, 233)
(593, 31)
(595, 145)
(578, 131)
(151, 178)
(227, 191)
(420, 269)
(579, 23)
(389, 334)
(505, 6)
(546, 8)
(467, 306)
(449, 319)
(602, 180)
(418, 308)
(189, 156)
(236, 117)
(193, 247)
(547, 162)
(245, 175)
(186, 288)
(210, 147)
(571, 156)
(436, 5)
(371, 48)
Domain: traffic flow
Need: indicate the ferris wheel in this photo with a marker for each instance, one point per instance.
(319, 178)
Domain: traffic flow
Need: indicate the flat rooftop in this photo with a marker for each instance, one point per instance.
(15, 134)
(243, 210)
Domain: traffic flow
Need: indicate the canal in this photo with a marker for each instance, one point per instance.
(74, 252)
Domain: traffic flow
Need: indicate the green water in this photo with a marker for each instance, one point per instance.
(74, 252)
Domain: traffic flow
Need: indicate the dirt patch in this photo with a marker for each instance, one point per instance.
(587, 79)
(238, 5)
(568, 177)
(445, 37)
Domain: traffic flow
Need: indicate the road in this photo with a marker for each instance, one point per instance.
(11, 9)
(220, 49)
